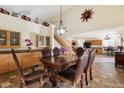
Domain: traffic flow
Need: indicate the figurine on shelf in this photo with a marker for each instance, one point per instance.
(37, 20)
(28, 43)
(45, 24)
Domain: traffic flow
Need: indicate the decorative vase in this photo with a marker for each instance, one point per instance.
(29, 48)
(121, 50)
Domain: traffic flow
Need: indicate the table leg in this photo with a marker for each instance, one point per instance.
(53, 78)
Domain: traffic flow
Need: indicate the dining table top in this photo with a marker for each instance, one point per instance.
(60, 62)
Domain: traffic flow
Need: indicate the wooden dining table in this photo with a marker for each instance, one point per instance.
(56, 64)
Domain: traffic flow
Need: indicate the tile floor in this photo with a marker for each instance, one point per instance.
(105, 75)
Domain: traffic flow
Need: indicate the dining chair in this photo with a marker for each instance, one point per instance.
(79, 52)
(63, 50)
(56, 51)
(73, 76)
(88, 69)
(46, 52)
(26, 80)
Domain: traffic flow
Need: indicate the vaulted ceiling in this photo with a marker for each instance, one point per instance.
(104, 18)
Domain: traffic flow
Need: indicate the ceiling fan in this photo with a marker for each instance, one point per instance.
(107, 37)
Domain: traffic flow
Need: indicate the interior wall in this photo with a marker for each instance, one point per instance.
(28, 29)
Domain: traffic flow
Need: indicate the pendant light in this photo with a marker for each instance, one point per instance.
(61, 28)
(107, 37)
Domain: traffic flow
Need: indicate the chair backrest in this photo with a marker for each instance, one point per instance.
(19, 69)
(56, 51)
(46, 52)
(92, 55)
(81, 65)
(63, 50)
(79, 51)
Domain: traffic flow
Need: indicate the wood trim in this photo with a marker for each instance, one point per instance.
(8, 39)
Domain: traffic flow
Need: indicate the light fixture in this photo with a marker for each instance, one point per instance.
(61, 28)
(107, 37)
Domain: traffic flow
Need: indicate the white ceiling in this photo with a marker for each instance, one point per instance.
(33, 11)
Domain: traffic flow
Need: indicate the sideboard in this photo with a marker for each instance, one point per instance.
(26, 58)
(119, 58)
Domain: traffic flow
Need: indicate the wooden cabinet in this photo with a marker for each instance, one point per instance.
(12, 65)
(3, 39)
(99, 42)
(96, 42)
(4, 64)
(36, 58)
(119, 58)
(98, 50)
(14, 39)
(9, 39)
(27, 60)
(30, 59)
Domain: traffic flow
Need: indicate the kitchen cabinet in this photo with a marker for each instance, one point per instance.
(9, 39)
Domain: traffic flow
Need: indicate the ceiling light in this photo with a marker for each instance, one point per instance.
(61, 28)
(107, 37)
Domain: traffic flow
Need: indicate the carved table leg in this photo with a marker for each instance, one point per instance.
(53, 78)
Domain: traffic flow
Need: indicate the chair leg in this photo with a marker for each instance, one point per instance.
(91, 78)
(86, 78)
(115, 64)
(73, 84)
(81, 82)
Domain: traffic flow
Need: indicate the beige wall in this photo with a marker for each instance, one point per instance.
(27, 29)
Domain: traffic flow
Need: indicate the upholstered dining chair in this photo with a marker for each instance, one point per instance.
(73, 76)
(63, 50)
(88, 69)
(56, 51)
(26, 80)
(79, 52)
(46, 52)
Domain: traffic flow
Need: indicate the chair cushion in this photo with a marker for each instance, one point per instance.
(68, 74)
(74, 67)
